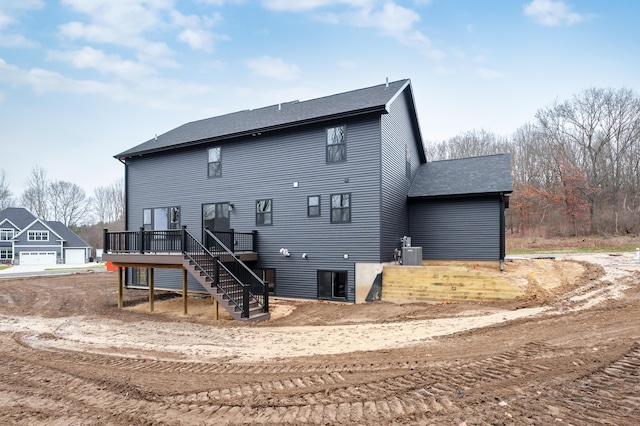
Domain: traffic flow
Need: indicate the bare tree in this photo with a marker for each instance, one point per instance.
(35, 196)
(69, 203)
(6, 199)
(109, 205)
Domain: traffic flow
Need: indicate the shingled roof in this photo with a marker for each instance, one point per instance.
(18, 216)
(464, 176)
(356, 102)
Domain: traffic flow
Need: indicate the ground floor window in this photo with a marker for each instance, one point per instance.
(6, 254)
(140, 276)
(332, 284)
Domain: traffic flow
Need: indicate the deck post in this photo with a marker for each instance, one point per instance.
(232, 240)
(245, 301)
(184, 291)
(150, 289)
(215, 308)
(254, 241)
(141, 240)
(105, 240)
(120, 303)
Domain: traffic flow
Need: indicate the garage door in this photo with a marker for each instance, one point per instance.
(74, 256)
(37, 257)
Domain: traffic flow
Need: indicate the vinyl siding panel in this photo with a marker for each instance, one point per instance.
(397, 135)
(266, 167)
(457, 229)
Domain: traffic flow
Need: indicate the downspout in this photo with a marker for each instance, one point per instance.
(502, 231)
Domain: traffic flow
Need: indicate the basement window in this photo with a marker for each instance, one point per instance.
(332, 285)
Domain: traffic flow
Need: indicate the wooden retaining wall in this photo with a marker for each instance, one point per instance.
(443, 283)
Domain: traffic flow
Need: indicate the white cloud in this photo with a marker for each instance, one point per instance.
(152, 92)
(553, 13)
(389, 18)
(17, 41)
(274, 68)
(91, 58)
(196, 30)
(488, 73)
(10, 12)
(123, 23)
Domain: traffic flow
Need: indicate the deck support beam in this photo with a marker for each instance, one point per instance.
(184, 291)
(216, 308)
(151, 285)
(120, 292)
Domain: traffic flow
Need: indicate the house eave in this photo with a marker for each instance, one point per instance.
(381, 109)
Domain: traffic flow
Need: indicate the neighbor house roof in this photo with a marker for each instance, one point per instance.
(242, 123)
(464, 176)
(17, 216)
(72, 240)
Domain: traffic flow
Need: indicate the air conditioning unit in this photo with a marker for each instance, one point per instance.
(412, 256)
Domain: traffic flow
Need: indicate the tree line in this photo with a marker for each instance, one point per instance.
(576, 168)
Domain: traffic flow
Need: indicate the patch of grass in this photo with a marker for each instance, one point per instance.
(595, 244)
(77, 267)
(4, 267)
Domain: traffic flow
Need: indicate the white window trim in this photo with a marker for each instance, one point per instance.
(31, 235)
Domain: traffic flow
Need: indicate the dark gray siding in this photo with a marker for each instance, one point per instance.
(397, 135)
(266, 167)
(456, 229)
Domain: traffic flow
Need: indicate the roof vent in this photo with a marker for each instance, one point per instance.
(387, 83)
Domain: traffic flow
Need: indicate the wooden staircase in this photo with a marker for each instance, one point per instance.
(255, 310)
(443, 283)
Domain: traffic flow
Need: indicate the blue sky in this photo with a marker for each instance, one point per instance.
(82, 80)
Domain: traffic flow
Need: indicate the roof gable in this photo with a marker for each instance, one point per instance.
(464, 176)
(17, 216)
(27, 228)
(242, 123)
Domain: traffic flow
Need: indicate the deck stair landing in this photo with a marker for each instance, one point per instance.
(443, 283)
(255, 310)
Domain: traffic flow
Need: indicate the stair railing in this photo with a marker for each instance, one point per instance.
(236, 268)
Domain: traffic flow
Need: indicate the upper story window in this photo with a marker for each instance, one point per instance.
(215, 162)
(6, 234)
(340, 208)
(37, 235)
(336, 144)
(313, 206)
(263, 212)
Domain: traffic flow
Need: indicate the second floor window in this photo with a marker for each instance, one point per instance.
(263, 212)
(215, 162)
(6, 234)
(340, 208)
(336, 144)
(38, 235)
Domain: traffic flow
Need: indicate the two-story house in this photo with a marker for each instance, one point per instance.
(316, 193)
(27, 240)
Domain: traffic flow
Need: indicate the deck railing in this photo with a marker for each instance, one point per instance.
(214, 258)
(170, 241)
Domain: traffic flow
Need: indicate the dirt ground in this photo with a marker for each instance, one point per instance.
(568, 352)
